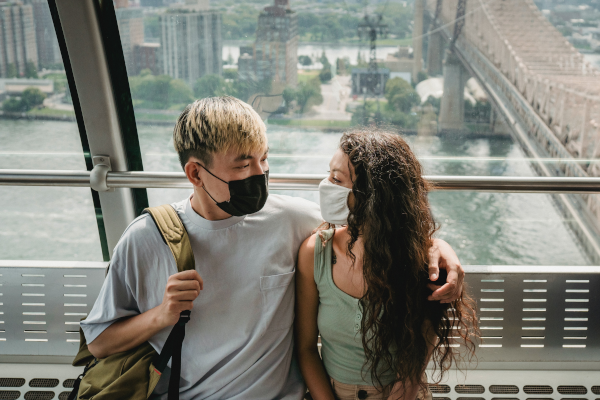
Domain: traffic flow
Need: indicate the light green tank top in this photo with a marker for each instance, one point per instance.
(339, 322)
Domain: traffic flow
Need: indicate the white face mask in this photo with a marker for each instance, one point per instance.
(334, 202)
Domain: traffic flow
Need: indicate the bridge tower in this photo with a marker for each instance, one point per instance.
(418, 39)
(435, 47)
(452, 108)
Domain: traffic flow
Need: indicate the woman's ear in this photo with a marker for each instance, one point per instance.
(192, 171)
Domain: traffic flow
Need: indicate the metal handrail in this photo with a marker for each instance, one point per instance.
(469, 269)
(176, 180)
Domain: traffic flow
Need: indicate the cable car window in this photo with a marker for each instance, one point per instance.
(38, 131)
(313, 70)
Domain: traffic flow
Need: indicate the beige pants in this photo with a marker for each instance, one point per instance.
(344, 391)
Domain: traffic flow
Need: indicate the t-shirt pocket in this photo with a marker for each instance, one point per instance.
(278, 301)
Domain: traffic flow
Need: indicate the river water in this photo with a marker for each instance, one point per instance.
(52, 223)
(335, 51)
(332, 51)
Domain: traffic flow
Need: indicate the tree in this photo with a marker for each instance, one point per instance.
(325, 74)
(308, 94)
(179, 93)
(153, 91)
(13, 105)
(289, 95)
(421, 76)
(152, 28)
(342, 65)
(11, 70)
(400, 95)
(159, 92)
(323, 59)
(240, 22)
(304, 60)
(31, 70)
(209, 86)
(230, 74)
(245, 89)
(32, 97)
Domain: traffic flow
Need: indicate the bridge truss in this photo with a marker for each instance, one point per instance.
(542, 86)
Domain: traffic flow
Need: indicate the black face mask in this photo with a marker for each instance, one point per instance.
(246, 196)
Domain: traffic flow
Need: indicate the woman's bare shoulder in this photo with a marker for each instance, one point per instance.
(306, 254)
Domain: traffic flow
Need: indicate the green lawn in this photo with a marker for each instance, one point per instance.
(155, 117)
(307, 76)
(50, 112)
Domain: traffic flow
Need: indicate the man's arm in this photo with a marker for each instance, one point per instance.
(441, 255)
(182, 289)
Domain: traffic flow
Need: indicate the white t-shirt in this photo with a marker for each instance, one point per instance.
(238, 343)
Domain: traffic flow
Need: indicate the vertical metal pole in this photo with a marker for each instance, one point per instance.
(90, 71)
(80, 124)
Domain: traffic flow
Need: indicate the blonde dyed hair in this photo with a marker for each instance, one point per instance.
(215, 125)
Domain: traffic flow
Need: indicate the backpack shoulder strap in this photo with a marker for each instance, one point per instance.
(174, 234)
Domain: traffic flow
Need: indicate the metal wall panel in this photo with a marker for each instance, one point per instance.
(41, 304)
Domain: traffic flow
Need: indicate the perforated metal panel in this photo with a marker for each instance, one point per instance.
(547, 382)
(564, 389)
(439, 388)
(39, 395)
(540, 314)
(538, 389)
(41, 304)
(68, 383)
(60, 285)
(63, 395)
(12, 382)
(504, 389)
(469, 389)
(43, 383)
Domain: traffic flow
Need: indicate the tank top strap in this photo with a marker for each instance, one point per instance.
(323, 256)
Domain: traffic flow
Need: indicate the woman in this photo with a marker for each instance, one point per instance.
(364, 285)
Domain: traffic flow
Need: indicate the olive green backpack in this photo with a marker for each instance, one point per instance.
(133, 374)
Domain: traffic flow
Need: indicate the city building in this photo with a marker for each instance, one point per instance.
(274, 55)
(145, 56)
(190, 44)
(131, 29)
(18, 49)
(47, 45)
(360, 80)
(402, 61)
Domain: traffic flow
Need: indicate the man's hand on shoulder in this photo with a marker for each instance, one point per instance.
(441, 255)
(182, 289)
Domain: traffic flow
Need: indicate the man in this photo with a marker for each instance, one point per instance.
(239, 342)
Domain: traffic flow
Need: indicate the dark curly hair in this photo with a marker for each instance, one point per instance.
(391, 213)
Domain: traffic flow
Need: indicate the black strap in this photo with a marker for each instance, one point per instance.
(172, 351)
(75, 392)
(179, 333)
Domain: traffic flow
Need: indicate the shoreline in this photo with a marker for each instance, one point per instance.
(296, 124)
